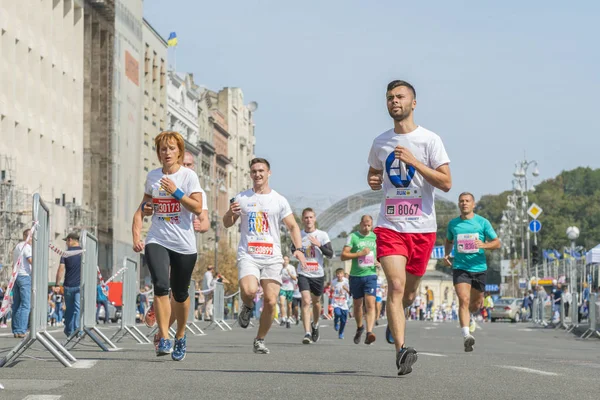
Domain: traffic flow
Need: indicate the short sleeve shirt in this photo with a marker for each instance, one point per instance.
(23, 253)
(287, 273)
(340, 295)
(172, 224)
(365, 265)
(409, 199)
(464, 232)
(261, 217)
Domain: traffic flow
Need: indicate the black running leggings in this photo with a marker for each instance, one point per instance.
(182, 265)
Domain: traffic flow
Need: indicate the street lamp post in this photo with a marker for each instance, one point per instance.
(572, 235)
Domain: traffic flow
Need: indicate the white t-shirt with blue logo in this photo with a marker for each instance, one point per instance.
(409, 204)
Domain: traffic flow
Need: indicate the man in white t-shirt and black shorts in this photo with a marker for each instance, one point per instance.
(311, 277)
(408, 162)
(261, 211)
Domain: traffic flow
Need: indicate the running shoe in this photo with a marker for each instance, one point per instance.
(358, 334)
(307, 339)
(336, 326)
(405, 359)
(259, 346)
(388, 335)
(472, 325)
(341, 336)
(245, 315)
(297, 321)
(469, 343)
(165, 346)
(315, 333)
(150, 317)
(288, 325)
(370, 338)
(179, 349)
(282, 323)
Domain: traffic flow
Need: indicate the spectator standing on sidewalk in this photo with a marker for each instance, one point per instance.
(102, 300)
(568, 300)
(22, 289)
(70, 268)
(208, 297)
(488, 304)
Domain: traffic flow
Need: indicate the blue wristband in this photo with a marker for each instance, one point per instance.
(178, 194)
(143, 205)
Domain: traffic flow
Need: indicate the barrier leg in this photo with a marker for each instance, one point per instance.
(198, 328)
(17, 350)
(99, 333)
(53, 350)
(58, 345)
(135, 328)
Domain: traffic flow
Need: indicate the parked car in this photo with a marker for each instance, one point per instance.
(507, 308)
(114, 313)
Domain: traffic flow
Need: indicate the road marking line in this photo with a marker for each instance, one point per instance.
(84, 364)
(526, 330)
(431, 354)
(430, 327)
(42, 397)
(530, 370)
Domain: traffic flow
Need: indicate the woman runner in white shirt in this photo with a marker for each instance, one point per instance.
(176, 195)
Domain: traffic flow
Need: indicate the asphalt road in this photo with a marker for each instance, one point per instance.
(510, 361)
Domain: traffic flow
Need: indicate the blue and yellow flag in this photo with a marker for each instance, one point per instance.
(172, 41)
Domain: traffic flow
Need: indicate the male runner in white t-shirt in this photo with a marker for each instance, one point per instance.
(311, 277)
(259, 260)
(408, 162)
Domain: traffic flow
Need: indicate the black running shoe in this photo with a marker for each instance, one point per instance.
(288, 325)
(405, 359)
(314, 333)
(388, 335)
(370, 338)
(307, 339)
(245, 315)
(358, 334)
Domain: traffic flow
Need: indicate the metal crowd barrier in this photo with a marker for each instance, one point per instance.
(191, 321)
(128, 311)
(38, 317)
(594, 310)
(562, 323)
(326, 307)
(88, 290)
(219, 307)
(574, 311)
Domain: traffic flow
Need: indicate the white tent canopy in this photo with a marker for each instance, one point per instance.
(593, 256)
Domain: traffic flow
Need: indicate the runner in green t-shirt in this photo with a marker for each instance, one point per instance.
(469, 235)
(362, 250)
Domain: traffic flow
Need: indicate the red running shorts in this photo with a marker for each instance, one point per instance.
(416, 247)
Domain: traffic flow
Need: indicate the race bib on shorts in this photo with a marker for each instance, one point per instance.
(366, 261)
(311, 266)
(465, 243)
(166, 207)
(260, 246)
(403, 205)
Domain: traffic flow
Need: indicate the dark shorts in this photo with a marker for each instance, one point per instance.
(314, 285)
(296, 302)
(363, 285)
(475, 279)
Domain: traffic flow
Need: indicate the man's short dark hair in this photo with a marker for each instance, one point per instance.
(308, 209)
(26, 233)
(396, 83)
(259, 160)
(466, 194)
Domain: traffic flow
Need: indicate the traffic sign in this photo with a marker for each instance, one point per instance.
(535, 226)
(534, 211)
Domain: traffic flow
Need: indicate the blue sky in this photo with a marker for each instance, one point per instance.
(493, 80)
